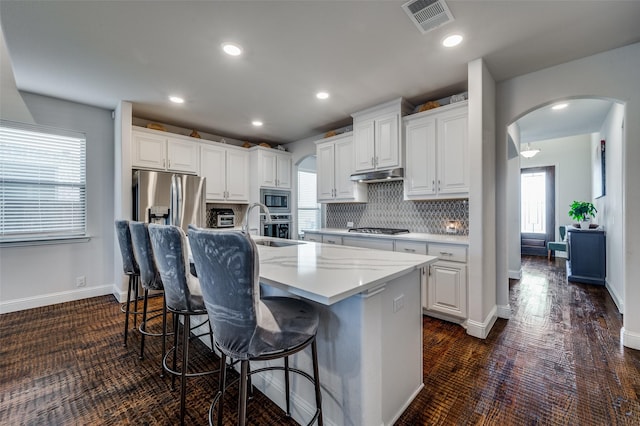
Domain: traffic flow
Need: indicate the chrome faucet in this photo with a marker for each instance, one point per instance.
(245, 223)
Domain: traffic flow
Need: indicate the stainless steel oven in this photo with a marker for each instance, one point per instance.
(278, 201)
(279, 227)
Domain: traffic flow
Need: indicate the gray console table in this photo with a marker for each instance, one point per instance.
(586, 262)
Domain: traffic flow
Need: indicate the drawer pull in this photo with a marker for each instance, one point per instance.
(444, 253)
(410, 250)
(331, 241)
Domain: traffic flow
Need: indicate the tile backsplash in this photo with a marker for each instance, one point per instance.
(387, 209)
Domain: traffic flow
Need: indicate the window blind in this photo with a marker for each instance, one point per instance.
(42, 183)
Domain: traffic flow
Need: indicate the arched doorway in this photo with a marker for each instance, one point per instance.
(571, 142)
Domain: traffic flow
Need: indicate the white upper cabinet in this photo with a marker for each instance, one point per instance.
(437, 161)
(420, 174)
(334, 168)
(273, 168)
(156, 150)
(377, 136)
(226, 170)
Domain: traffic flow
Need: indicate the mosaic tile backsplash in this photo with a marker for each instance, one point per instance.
(387, 209)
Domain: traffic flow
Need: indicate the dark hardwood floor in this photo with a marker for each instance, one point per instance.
(558, 360)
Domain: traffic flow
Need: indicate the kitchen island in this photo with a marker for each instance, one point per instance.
(370, 335)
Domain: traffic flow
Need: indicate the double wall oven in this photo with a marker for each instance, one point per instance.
(279, 204)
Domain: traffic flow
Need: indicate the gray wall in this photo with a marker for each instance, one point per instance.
(41, 275)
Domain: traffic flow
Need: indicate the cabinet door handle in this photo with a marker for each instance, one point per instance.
(169, 162)
(164, 164)
(376, 162)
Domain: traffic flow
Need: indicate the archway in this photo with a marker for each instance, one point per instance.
(571, 141)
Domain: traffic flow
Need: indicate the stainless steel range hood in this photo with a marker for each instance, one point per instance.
(379, 175)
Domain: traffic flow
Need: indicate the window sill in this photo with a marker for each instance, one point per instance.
(44, 242)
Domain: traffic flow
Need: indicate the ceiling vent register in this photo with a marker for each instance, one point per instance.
(428, 14)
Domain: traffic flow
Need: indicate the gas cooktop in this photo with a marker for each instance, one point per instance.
(387, 231)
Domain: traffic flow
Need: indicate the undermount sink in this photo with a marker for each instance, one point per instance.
(272, 243)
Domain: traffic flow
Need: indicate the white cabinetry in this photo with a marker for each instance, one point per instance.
(332, 239)
(316, 238)
(377, 136)
(227, 173)
(156, 150)
(437, 160)
(447, 281)
(334, 168)
(370, 243)
(273, 167)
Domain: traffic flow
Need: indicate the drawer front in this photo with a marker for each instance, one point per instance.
(332, 239)
(371, 243)
(448, 252)
(316, 238)
(411, 247)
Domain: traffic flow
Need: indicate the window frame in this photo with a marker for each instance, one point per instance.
(51, 165)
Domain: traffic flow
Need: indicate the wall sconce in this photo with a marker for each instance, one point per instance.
(529, 152)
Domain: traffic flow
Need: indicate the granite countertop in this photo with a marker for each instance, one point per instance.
(328, 273)
(412, 236)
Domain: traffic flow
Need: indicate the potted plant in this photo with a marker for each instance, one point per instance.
(582, 211)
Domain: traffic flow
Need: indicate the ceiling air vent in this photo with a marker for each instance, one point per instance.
(428, 14)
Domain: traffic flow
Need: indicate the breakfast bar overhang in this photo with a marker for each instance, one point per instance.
(370, 335)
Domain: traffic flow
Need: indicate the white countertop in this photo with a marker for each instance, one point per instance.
(327, 273)
(412, 236)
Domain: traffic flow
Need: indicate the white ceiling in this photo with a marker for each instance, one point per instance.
(581, 116)
(362, 52)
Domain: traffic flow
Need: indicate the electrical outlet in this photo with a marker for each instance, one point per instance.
(398, 303)
(81, 281)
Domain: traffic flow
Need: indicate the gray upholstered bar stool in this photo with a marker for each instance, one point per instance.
(182, 296)
(245, 326)
(130, 267)
(150, 279)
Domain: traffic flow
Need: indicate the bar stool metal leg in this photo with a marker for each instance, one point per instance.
(132, 278)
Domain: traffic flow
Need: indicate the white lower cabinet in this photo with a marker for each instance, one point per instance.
(447, 281)
(316, 238)
(332, 239)
(370, 243)
(444, 283)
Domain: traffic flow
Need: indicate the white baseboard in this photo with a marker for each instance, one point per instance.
(504, 311)
(629, 340)
(481, 329)
(515, 275)
(616, 298)
(53, 298)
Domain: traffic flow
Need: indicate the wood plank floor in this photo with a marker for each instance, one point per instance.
(556, 361)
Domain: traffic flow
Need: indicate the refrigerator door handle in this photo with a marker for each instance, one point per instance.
(176, 200)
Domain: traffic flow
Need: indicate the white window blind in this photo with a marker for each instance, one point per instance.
(42, 183)
(308, 207)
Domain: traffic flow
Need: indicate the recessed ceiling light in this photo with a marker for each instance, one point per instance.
(257, 123)
(452, 40)
(322, 95)
(176, 99)
(231, 49)
(559, 106)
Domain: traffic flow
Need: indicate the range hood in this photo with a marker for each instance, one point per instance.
(379, 175)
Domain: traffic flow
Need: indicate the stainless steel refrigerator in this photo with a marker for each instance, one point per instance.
(169, 198)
